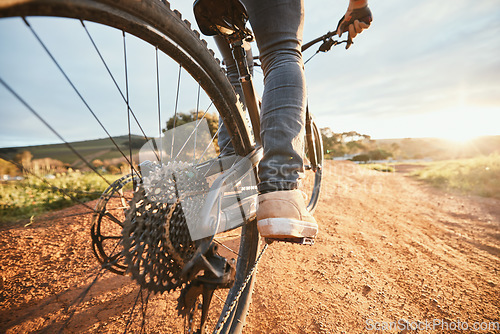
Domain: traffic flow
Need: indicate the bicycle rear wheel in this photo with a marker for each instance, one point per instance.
(161, 37)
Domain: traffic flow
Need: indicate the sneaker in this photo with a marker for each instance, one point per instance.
(283, 215)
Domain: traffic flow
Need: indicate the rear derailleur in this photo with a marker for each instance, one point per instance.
(218, 273)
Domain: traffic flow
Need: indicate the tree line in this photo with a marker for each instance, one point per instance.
(354, 145)
(360, 146)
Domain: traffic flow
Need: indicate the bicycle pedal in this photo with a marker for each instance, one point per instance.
(300, 241)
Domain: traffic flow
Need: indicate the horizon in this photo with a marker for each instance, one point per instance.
(457, 142)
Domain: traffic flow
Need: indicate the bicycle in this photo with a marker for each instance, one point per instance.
(201, 268)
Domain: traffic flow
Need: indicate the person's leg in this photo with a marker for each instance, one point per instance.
(282, 212)
(278, 25)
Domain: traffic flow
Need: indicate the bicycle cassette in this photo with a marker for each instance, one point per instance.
(155, 233)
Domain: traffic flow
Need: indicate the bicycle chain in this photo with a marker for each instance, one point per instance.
(240, 291)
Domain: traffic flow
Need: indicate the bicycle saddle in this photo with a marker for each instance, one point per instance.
(221, 17)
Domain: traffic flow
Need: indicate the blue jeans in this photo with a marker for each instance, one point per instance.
(278, 26)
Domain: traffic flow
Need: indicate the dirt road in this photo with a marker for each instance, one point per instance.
(389, 250)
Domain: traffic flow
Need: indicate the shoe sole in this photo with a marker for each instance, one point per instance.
(284, 228)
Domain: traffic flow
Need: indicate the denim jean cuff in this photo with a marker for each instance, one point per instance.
(267, 187)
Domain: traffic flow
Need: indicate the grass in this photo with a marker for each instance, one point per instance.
(476, 176)
(30, 197)
(379, 167)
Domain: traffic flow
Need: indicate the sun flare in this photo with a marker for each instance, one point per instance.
(461, 124)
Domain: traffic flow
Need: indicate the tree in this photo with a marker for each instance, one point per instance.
(24, 158)
(125, 167)
(183, 118)
(340, 144)
(372, 155)
(332, 143)
(7, 168)
(97, 163)
(355, 146)
(112, 169)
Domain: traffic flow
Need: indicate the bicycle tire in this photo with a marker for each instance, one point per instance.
(317, 143)
(155, 23)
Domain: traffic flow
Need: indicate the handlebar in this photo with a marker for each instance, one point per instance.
(327, 40)
(328, 43)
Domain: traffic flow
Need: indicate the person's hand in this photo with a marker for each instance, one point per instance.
(357, 18)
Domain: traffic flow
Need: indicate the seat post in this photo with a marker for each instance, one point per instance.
(250, 95)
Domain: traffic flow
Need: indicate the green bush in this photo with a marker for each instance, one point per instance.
(361, 158)
(34, 195)
(379, 154)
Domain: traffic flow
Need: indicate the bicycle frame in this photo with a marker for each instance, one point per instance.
(211, 211)
(249, 93)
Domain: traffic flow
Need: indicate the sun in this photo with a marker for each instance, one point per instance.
(460, 136)
(462, 124)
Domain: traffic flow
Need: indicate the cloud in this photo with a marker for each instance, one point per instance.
(417, 58)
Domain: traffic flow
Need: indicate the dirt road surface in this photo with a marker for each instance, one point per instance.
(390, 252)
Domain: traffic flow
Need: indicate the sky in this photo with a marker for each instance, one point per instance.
(423, 69)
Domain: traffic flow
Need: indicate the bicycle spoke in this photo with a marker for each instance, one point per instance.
(210, 143)
(127, 101)
(175, 109)
(159, 103)
(126, 96)
(190, 135)
(20, 99)
(103, 79)
(74, 87)
(197, 111)
(229, 249)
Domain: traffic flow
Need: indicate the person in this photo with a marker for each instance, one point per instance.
(278, 27)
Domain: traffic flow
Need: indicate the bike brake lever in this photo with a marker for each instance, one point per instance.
(328, 43)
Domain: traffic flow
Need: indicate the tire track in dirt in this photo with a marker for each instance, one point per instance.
(389, 248)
